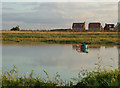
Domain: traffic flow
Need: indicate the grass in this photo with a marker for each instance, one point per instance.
(11, 79)
(99, 78)
(104, 79)
(93, 38)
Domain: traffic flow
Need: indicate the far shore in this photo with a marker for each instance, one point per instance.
(60, 37)
(44, 31)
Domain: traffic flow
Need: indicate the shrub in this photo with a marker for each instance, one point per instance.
(15, 28)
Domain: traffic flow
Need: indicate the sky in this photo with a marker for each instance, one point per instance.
(59, 0)
(119, 12)
(56, 15)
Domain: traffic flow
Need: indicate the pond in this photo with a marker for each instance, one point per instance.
(64, 59)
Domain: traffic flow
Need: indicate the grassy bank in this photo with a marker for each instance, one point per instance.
(37, 37)
(99, 78)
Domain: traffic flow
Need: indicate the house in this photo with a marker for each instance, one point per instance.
(95, 27)
(78, 26)
(109, 27)
(117, 27)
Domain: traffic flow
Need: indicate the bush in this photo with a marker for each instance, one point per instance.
(15, 28)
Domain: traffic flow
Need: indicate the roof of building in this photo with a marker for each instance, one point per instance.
(109, 24)
(79, 23)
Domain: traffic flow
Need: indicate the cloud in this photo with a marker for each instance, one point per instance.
(59, 15)
(6, 8)
(60, 1)
(119, 11)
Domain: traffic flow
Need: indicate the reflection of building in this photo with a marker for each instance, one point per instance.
(78, 26)
(81, 48)
(94, 27)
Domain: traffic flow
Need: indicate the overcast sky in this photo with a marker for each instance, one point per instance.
(51, 15)
(59, 0)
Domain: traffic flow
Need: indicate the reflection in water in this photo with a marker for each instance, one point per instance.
(119, 58)
(81, 48)
(94, 47)
(0, 65)
(55, 58)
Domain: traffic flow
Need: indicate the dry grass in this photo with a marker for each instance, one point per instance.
(61, 37)
(65, 32)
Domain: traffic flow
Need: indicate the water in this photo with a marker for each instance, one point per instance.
(63, 59)
(0, 59)
(0, 65)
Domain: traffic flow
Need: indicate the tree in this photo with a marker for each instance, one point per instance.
(15, 28)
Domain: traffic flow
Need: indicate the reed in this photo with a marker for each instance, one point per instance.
(100, 77)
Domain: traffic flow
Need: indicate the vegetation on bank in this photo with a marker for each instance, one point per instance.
(100, 38)
(99, 78)
(12, 79)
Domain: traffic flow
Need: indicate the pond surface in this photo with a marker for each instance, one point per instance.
(63, 59)
(0, 59)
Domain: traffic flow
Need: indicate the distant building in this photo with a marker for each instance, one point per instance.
(94, 27)
(117, 27)
(78, 26)
(109, 27)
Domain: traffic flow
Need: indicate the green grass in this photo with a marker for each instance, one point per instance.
(100, 38)
(101, 79)
(12, 79)
(98, 78)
